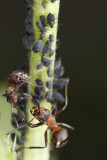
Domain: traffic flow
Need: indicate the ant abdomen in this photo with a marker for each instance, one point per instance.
(59, 138)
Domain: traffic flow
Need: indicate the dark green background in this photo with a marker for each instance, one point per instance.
(83, 50)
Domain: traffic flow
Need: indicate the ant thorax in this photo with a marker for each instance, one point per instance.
(17, 77)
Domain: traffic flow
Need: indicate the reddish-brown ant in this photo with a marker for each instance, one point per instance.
(60, 134)
(16, 79)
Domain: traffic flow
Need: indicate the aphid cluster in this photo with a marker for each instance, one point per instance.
(28, 38)
(43, 25)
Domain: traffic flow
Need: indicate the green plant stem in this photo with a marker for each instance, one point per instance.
(35, 136)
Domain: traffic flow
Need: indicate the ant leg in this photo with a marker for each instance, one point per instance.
(27, 123)
(13, 116)
(33, 147)
(25, 94)
(35, 125)
(53, 106)
(20, 85)
(21, 112)
(14, 143)
(66, 100)
(66, 126)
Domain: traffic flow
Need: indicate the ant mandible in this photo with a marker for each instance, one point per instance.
(60, 134)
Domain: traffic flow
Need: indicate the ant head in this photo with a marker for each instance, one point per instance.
(17, 77)
(59, 138)
(40, 114)
(35, 111)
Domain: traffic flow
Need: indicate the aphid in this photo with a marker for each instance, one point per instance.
(59, 72)
(57, 64)
(49, 84)
(59, 134)
(28, 12)
(39, 25)
(49, 72)
(29, 29)
(23, 66)
(42, 34)
(43, 20)
(51, 53)
(53, 1)
(27, 20)
(39, 66)
(51, 37)
(45, 61)
(23, 138)
(49, 95)
(39, 81)
(28, 3)
(44, 4)
(59, 69)
(38, 90)
(37, 46)
(51, 19)
(42, 29)
(28, 40)
(58, 96)
(47, 47)
(59, 83)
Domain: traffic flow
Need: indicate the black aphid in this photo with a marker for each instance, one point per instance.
(23, 138)
(39, 66)
(38, 98)
(44, 4)
(45, 61)
(53, 1)
(39, 25)
(58, 96)
(49, 84)
(51, 37)
(43, 20)
(29, 29)
(39, 81)
(38, 90)
(23, 66)
(28, 3)
(58, 64)
(51, 53)
(47, 47)
(49, 72)
(59, 83)
(37, 46)
(59, 72)
(29, 12)
(28, 40)
(42, 35)
(51, 19)
(49, 95)
(27, 20)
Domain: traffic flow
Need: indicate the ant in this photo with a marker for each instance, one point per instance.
(60, 134)
(16, 80)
